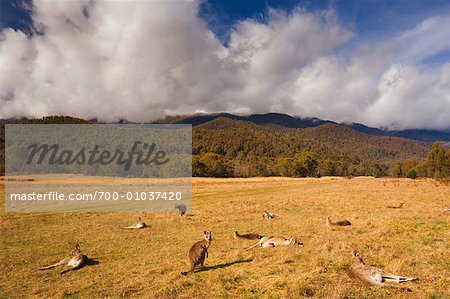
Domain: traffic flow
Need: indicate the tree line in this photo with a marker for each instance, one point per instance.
(225, 148)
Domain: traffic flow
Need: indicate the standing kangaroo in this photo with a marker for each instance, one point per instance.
(139, 224)
(199, 252)
(276, 241)
(344, 222)
(372, 275)
(250, 236)
(75, 261)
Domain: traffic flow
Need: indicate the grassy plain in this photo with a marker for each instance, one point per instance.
(411, 241)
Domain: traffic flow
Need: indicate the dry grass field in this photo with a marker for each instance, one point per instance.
(411, 241)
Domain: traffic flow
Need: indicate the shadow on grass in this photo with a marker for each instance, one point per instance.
(221, 266)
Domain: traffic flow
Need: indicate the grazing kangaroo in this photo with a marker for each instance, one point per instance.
(275, 242)
(344, 222)
(268, 215)
(75, 260)
(139, 224)
(181, 209)
(372, 275)
(396, 207)
(199, 252)
(251, 236)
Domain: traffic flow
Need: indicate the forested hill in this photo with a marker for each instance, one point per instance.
(297, 122)
(228, 137)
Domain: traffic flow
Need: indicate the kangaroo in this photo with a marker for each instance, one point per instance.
(139, 224)
(275, 242)
(344, 222)
(75, 260)
(181, 209)
(372, 275)
(251, 236)
(199, 252)
(268, 215)
(396, 207)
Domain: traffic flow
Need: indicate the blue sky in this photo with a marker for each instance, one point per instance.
(383, 63)
(371, 20)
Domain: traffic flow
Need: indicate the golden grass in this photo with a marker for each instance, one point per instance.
(412, 241)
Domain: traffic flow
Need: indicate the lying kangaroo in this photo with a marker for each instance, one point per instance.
(181, 209)
(276, 241)
(396, 207)
(199, 252)
(139, 224)
(250, 236)
(75, 260)
(268, 215)
(372, 275)
(344, 222)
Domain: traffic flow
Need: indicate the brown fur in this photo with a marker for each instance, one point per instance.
(250, 236)
(199, 252)
(138, 225)
(396, 207)
(343, 222)
(267, 242)
(75, 260)
(372, 275)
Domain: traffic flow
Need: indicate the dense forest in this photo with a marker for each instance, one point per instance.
(226, 147)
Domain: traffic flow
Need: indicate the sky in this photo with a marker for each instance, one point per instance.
(382, 63)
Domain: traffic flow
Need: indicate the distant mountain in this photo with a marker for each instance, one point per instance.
(288, 121)
(420, 135)
(280, 119)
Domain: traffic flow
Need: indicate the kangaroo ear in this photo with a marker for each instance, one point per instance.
(205, 232)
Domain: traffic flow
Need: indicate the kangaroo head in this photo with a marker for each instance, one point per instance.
(76, 249)
(357, 257)
(296, 242)
(207, 235)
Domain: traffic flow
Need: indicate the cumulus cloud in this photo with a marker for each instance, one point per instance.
(141, 60)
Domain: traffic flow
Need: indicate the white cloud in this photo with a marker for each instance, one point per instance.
(428, 38)
(141, 60)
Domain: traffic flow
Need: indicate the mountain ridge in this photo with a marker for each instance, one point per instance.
(288, 121)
